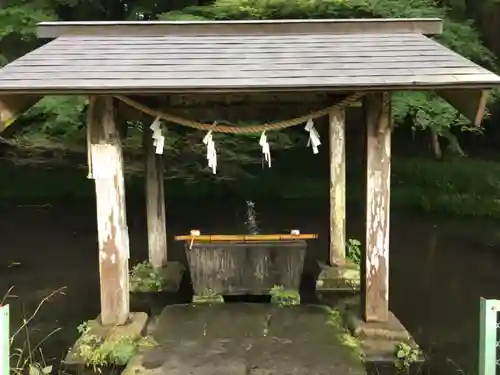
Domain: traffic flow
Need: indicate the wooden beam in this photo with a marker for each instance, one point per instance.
(376, 270)
(337, 188)
(107, 171)
(426, 26)
(13, 106)
(155, 204)
(469, 102)
(247, 237)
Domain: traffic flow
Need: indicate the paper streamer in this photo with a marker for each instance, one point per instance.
(314, 140)
(211, 152)
(160, 142)
(265, 148)
(158, 138)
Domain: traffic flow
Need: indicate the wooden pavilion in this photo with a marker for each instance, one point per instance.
(370, 58)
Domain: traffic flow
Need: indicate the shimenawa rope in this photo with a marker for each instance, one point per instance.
(239, 129)
(224, 128)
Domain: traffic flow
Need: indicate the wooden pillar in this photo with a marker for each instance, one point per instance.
(107, 170)
(155, 204)
(337, 188)
(376, 270)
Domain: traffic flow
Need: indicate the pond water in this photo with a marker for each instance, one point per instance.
(440, 267)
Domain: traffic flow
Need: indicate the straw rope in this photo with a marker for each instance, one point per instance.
(240, 129)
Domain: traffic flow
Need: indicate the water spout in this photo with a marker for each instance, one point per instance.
(251, 221)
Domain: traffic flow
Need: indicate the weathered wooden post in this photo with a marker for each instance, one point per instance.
(376, 272)
(106, 160)
(155, 205)
(337, 187)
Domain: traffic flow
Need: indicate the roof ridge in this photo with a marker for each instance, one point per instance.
(426, 26)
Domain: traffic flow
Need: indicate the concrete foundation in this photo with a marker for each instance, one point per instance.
(134, 329)
(338, 278)
(379, 340)
(246, 339)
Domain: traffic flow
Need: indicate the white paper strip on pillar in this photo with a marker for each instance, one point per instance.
(211, 152)
(266, 150)
(313, 136)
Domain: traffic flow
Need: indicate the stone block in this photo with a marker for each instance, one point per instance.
(379, 340)
(134, 329)
(338, 277)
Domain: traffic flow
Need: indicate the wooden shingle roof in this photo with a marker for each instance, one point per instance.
(120, 62)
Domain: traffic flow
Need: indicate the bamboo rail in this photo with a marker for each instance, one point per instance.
(248, 237)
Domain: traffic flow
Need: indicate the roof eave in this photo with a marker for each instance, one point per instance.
(110, 90)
